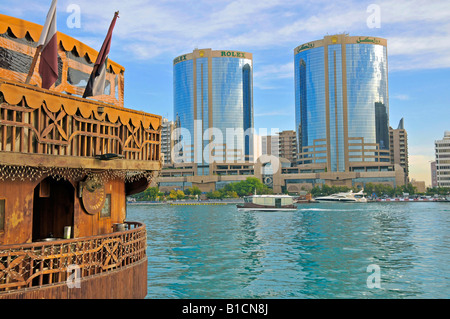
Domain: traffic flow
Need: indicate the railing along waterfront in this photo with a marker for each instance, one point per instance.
(44, 263)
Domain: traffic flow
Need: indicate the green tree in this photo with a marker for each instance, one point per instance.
(431, 191)
(195, 191)
(398, 191)
(152, 193)
(409, 188)
(238, 189)
(173, 194)
(316, 191)
(369, 189)
(176, 194)
(248, 187)
(214, 195)
(180, 194)
(231, 194)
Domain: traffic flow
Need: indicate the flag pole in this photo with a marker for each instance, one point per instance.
(97, 81)
(47, 49)
(33, 64)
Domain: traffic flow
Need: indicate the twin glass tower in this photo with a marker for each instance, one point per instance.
(341, 105)
(213, 106)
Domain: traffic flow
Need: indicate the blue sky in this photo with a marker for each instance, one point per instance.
(150, 34)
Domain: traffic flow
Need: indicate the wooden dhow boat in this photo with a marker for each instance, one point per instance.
(66, 166)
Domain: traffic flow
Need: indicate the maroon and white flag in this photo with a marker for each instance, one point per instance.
(48, 66)
(97, 80)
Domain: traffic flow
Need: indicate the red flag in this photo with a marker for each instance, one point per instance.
(96, 84)
(48, 66)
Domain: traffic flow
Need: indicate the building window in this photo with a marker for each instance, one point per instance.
(247, 104)
(106, 210)
(303, 125)
(2, 214)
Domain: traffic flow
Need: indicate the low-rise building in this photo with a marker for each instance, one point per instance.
(442, 151)
(419, 185)
(279, 176)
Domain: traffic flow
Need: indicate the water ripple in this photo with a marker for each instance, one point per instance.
(318, 251)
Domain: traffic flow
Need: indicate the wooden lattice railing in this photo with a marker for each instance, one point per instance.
(36, 121)
(44, 263)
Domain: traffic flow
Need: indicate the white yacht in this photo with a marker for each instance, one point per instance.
(267, 203)
(348, 197)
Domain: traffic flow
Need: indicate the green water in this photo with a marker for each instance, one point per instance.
(321, 250)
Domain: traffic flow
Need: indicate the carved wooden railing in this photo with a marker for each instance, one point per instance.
(36, 121)
(44, 263)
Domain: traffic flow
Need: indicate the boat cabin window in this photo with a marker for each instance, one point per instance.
(277, 202)
(247, 199)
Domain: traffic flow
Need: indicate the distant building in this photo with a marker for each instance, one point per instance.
(287, 146)
(270, 145)
(442, 151)
(213, 106)
(433, 174)
(185, 175)
(419, 185)
(341, 90)
(213, 99)
(257, 147)
(399, 148)
(283, 144)
(342, 113)
(167, 143)
(342, 134)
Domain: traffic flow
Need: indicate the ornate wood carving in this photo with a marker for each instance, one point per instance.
(53, 131)
(45, 263)
(93, 199)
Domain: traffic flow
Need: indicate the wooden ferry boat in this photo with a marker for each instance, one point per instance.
(66, 166)
(267, 203)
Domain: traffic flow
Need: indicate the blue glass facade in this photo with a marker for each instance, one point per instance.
(247, 85)
(183, 89)
(213, 90)
(366, 86)
(341, 100)
(310, 98)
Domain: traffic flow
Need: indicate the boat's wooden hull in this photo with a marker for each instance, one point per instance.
(109, 266)
(123, 283)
